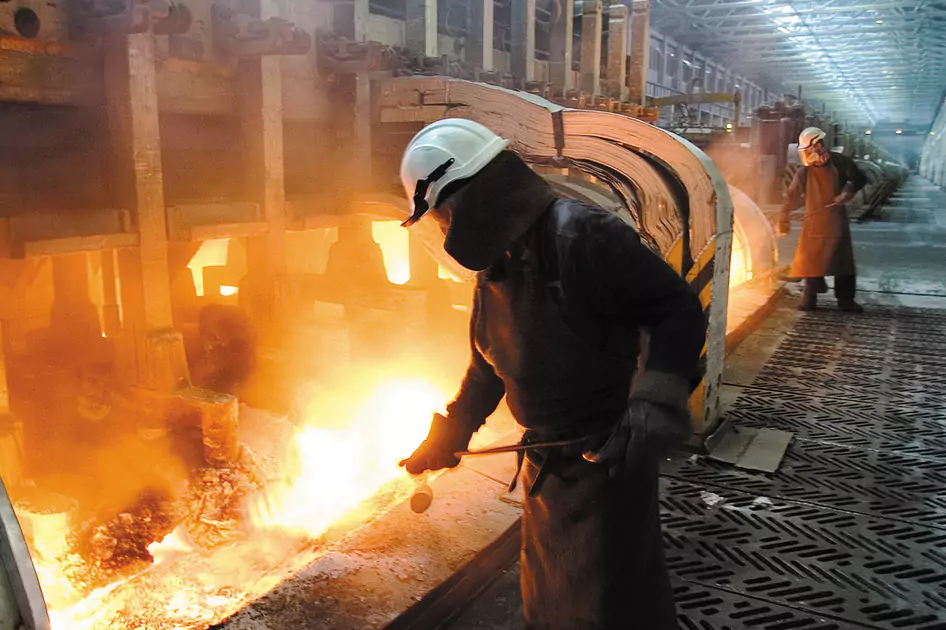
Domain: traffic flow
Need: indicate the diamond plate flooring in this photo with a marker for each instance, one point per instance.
(850, 533)
(852, 528)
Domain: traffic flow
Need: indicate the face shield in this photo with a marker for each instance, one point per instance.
(421, 206)
(431, 225)
(430, 230)
(814, 154)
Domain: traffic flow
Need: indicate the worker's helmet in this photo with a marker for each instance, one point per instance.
(441, 153)
(811, 147)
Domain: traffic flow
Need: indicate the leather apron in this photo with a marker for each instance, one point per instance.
(592, 553)
(824, 246)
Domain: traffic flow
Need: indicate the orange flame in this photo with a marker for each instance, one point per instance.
(348, 450)
(740, 271)
(395, 249)
(340, 467)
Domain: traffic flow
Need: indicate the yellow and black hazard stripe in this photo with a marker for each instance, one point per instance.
(700, 277)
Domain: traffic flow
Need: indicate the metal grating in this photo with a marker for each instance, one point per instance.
(870, 383)
(853, 526)
(701, 608)
(886, 356)
(840, 565)
(850, 533)
(867, 482)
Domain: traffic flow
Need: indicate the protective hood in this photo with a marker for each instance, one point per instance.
(496, 208)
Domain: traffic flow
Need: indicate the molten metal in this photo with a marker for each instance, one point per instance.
(347, 475)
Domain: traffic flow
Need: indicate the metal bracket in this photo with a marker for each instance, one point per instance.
(340, 55)
(569, 98)
(241, 35)
(496, 77)
(171, 19)
(90, 18)
(540, 88)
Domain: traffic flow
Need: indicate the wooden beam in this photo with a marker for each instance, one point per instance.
(523, 40)
(183, 219)
(560, 53)
(420, 29)
(640, 52)
(351, 104)
(63, 224)
(591, 46)
(363, 116)
(617, 50)
(136, 145)
(262, 124)
(479, 51)
(138, 183)
(230, 230)
(72, 245)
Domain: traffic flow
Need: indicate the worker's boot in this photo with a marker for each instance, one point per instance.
(850, 306)
(809, 297)
(845, 289)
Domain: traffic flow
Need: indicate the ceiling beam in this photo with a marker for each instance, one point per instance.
(691, 7)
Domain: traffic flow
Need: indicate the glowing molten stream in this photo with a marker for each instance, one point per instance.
(342, 471)
(340, 467)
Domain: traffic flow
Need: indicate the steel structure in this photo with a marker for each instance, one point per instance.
(866, 61)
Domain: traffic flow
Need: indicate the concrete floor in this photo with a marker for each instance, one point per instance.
(851, 531)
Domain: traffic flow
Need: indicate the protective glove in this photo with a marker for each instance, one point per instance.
(783, 228)
(646, 428)
(446, 437)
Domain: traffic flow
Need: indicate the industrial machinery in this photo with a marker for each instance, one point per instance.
(207, 308)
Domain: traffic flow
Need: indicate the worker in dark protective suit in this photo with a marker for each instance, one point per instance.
(563, 290)
(827, 181)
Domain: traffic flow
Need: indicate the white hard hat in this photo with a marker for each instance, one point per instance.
(441, 153)
(810, 136)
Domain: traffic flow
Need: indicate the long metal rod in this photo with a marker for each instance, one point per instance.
(515, 448)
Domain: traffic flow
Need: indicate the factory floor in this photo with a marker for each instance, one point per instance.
(851, 530)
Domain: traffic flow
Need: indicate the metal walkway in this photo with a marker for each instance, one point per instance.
(851, 531)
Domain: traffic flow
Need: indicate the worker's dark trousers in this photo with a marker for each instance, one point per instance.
(845, 288)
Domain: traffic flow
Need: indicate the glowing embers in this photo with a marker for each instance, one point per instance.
(740, 266)
(341, 464)
(337, 470)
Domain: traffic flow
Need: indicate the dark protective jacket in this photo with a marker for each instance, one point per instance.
(824, 246)
(555, 328)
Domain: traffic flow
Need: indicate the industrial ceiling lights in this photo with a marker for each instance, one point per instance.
(906, 44)
(791, 21)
